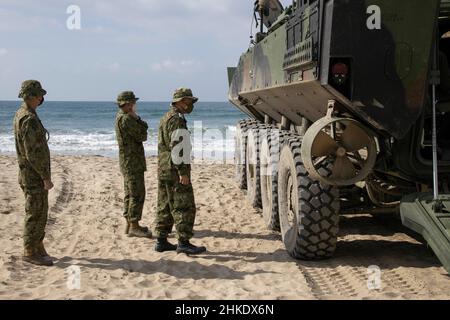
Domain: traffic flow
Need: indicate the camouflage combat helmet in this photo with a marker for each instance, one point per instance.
(126, 97)
(31, 88)
(182, 93)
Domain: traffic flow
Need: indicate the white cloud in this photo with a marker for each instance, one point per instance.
(12, 21)
(176, 19)
(124, 44)
(171, 65)
(113, 67)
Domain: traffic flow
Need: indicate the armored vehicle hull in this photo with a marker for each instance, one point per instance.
(340, 96)
(288, 73)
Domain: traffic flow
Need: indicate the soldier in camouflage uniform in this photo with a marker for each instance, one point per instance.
(33, 156)
(131, 132)
(176, 203)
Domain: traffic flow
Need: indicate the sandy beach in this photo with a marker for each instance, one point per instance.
(244, 259)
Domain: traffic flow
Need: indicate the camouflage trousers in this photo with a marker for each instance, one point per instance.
(134, 186)
(176, 205)
(36, 213)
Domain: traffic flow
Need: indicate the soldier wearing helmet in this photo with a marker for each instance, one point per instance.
(131, 132)
(33, 156)
(176, 203)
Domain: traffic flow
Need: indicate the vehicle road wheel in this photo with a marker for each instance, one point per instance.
(240, 151)
(309, 211)
(253, 164)
(271, 145)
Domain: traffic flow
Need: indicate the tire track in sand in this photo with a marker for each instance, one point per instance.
(347, 274)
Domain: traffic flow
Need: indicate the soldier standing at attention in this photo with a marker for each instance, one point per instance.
(131, 132)
(176, 203)
(33, 156)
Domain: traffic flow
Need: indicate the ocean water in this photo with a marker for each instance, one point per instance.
(87, 128)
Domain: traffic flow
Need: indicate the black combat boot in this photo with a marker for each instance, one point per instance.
(40, 249)
(188, 248)
(33, 257)
(163, 245)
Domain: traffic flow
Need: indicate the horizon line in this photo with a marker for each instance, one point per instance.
(168, 101)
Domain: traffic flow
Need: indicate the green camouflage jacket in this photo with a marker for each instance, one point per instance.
(131, 133)
(32, 149)
(168, 139)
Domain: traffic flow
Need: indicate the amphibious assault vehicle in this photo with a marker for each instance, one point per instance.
(349, 112)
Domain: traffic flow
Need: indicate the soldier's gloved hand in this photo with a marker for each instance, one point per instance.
(184, 180)
(48, 185)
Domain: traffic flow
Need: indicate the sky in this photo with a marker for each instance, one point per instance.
(148, 46)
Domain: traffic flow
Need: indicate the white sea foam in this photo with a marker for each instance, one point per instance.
(207, 143)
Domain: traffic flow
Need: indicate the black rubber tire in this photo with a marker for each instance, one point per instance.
(270, 157)
(240, 151)
(253, 164)
(312, 233)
